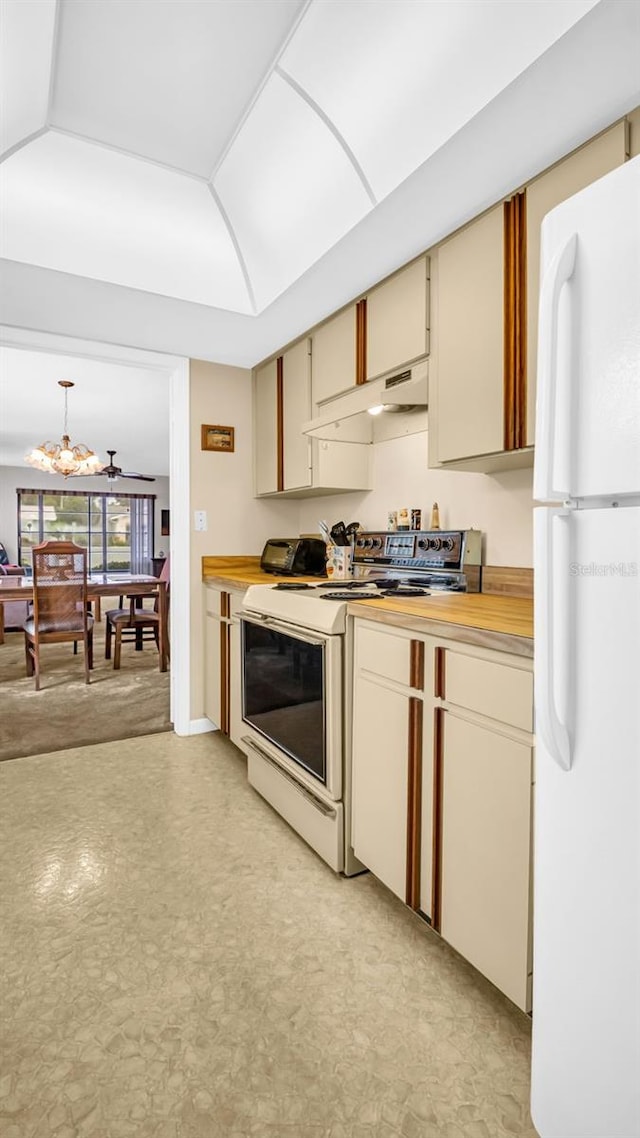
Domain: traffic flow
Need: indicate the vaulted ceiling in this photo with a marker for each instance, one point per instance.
(216, 151)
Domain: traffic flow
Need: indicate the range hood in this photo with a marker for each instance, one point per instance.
(347, 418)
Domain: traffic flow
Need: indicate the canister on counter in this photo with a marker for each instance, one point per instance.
(404, 518)
(392, 520)
(416, 519)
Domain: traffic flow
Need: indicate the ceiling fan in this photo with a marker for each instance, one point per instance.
(113, 472)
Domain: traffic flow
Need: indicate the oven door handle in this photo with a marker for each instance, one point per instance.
(293, 630)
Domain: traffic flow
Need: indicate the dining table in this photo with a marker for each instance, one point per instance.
(101, 585)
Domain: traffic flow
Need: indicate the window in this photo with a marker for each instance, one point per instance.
(115, 529)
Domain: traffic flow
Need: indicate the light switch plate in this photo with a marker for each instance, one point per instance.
(200, 520)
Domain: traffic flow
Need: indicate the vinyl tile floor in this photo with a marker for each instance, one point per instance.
(177, 963)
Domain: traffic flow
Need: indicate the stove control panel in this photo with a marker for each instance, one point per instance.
(445, 559)
(421, 549)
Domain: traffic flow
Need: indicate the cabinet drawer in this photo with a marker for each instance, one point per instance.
(390, 656)
(496, 690)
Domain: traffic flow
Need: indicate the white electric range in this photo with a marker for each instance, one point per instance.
(297, 675)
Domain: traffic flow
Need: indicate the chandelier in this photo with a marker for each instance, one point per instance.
(62, 458)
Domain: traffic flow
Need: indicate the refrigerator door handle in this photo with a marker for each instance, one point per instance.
(554, 733)
(559, 272)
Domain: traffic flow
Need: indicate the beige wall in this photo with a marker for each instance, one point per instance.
(500, 505)
(222, 484)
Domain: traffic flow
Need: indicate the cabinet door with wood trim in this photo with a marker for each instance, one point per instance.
(380, 781)
(469, 341)
(212, 657)
(296, 410)
(266, 428)
(333, 356)
(397, 320)
(485, 852)
(568, 177)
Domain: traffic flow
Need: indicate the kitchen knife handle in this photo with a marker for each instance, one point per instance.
(559, 272)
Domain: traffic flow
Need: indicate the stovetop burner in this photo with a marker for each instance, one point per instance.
(347, 595)
(348, 584)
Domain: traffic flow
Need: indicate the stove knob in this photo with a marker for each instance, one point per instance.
(377, 543)
(423, 543)
(448, 544)
(434, 543)
(361, 543)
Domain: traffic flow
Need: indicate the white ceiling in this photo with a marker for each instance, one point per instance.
(111, 406)
(214, 151)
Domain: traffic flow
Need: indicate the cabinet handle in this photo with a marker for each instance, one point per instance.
(438, 674)
(416, 665)
(414, 803)
(436, 861)
(280, 423)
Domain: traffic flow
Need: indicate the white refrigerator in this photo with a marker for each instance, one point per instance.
(586, 968)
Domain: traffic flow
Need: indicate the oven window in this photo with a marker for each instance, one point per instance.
(283, 694)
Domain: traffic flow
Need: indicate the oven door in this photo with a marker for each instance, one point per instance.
(292, 698)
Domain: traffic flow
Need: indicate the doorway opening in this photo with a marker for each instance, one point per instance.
(118, 507)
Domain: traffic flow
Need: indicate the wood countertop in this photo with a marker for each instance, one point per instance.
(501, 622)
(237, 573)
(505, 623)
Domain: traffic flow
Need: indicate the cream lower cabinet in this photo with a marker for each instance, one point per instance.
(442, 771)
(485, 852)
(223, 662)
(391, 761)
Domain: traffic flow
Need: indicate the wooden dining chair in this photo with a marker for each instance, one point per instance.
(135, 622)
(59, 603)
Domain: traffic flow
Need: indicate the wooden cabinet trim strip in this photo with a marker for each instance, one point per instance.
(224, 678)
(280, 422)
(414, 801)
(225, 604)
(515, 321)
(436, 883)
(520, 222)
(416, 665)
(361, 341)
(509, 327)
(438, 673)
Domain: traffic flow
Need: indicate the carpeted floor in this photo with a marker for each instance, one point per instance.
(66, 712)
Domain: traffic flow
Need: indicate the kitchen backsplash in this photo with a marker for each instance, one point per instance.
(500, 505)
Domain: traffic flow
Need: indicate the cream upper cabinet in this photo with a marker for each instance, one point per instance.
(591, 162)
(466, 410)
(398, 319)
(296, 410)
(287, 461)
(333, 356)
(266, 429)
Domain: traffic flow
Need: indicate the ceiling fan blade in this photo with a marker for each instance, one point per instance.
(132, 474)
